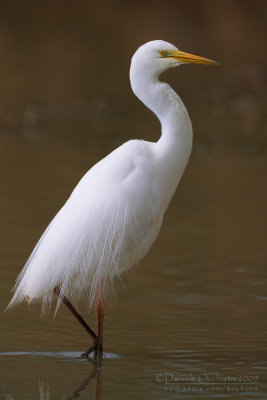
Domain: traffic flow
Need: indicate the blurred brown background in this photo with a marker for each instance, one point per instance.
(198, 301)
(64, 71)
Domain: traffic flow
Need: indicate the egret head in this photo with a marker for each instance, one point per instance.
(157, 56)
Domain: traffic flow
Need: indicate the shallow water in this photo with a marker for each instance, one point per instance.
(190, 322)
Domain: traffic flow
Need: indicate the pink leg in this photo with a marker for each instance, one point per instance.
(100, 316)
(97, 347)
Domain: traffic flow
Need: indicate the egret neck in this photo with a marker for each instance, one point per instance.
(173, 149)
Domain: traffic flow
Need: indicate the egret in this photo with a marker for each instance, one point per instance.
(114, 214)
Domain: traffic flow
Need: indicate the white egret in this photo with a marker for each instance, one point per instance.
(115, 212)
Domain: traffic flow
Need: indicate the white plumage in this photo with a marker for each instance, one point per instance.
(114, 214)
(97, 232)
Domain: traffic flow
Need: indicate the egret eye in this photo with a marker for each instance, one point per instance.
(161, 53)
(165, 53)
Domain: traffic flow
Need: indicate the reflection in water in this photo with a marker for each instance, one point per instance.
(94, 376)
(97, 374)
(44, 390)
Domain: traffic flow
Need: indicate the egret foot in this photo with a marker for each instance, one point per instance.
(96, 348)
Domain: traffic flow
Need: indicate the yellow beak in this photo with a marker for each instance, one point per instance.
(189, 58)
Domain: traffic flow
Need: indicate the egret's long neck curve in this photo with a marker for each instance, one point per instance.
(174, 146)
